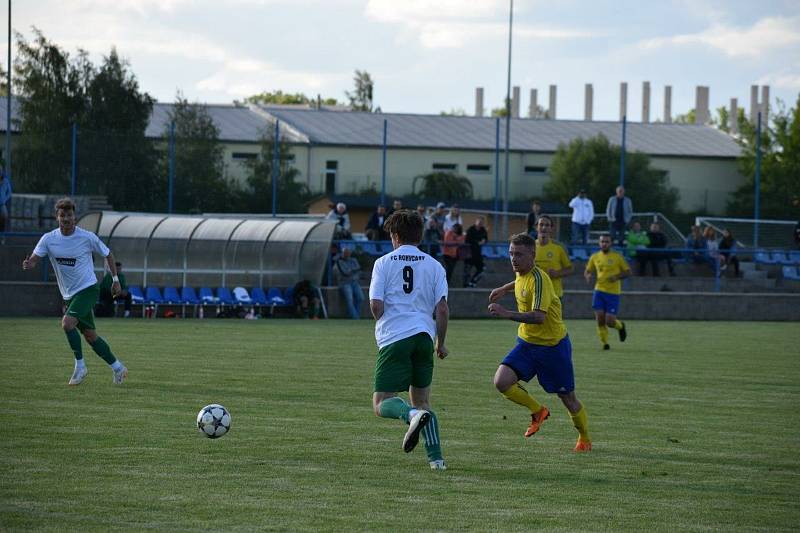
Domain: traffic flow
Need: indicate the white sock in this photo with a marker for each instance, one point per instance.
(80, 363)
(116, 365)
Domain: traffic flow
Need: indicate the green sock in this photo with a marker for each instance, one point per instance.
(74, 339)
(430, 434)
(395, 407)
(102, 349)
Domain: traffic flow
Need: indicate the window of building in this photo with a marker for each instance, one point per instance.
(445, 167)
(479, 169)
(330, 176)
(243, 156)
(535, 170)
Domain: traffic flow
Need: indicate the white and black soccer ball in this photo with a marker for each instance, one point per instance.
(213, 421)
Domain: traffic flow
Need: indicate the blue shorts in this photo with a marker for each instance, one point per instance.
(552, 365)
(603, 301)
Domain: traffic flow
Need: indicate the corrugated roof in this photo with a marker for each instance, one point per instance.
(248, 124)
(478, 133)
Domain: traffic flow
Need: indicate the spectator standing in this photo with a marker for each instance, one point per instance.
(432, 236)
(533, 217)
(727, 252)
(453, 218)
(5, 200)
(374, 229)
(439, 216)
(619, 212)
(658, 241)
(636, 242)
(349, 271)
(105, 304)
(476, 237)
(582, 216)
(397, 205)
(342, 218)
(451, 249)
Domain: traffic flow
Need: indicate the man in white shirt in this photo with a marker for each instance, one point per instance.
(582, 216)
(70, 250)
(453, 218)
(408, 289)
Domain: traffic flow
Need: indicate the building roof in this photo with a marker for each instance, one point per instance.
(335, 128)
(478, 133)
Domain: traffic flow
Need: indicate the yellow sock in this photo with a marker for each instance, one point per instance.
(617, 324)
(602, 332)
(581, 424)
(520, 396)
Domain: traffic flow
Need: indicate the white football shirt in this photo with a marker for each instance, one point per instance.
(410, 283)
(71, 257)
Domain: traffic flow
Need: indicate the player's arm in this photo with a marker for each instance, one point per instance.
(39, 251)
(621, 275)
(499, 292)
(590, 269)
(30, 262)
(442, 314)
(561, 273)
(529, 317)
(116, 288)
(376, 307)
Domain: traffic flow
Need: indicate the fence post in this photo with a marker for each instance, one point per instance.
(275, 163)
(74, 175)
(171, 173)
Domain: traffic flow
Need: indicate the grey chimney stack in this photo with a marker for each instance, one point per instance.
(645, 102)
(551, 111)
(753, 103)
(623, 100)
(668, 104)
(764, 104)
(733, 117)
(515, 102)
(478, 101)
(588, 102)
(701, 99)
(532, 108)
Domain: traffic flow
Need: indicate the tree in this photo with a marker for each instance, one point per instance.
(780, 167)
(593, 164)
(361, 97)
(454, 112)
(291, 194)
(53, 89)
(447, 186)
(686, 118)
(199, 183)
(115, 157)
(279, 97)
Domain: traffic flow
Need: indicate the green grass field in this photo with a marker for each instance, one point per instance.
(695, 427)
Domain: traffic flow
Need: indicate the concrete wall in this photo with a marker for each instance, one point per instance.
(704, 184)
(43, 299)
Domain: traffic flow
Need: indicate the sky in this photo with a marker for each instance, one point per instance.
(428, 56)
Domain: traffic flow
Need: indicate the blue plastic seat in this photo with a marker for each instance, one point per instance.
(791, 272)
(274, 297)
(579, 254)
(137, 297)
(241, 296)
(502, 251)
(225, 296)
(490, 251)
(153, 296)
(763, 257)
(794, 257)
(207, 296)
(288, 295)
(370, 248)
(258, 296)
(385, 247)
(171, 296)
(780, 258)
(189, 296)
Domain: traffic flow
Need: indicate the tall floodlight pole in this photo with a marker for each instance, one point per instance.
(757, 199)
(508, 119)
(622, 152)
(8, 101)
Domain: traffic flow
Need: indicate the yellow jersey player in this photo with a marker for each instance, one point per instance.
(551, 256)
(543, 347)
(610, 268)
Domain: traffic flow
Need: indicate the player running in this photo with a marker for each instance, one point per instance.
(551, 256)
(610, 268)
(70, 250)
(543, 347)
(408, 289)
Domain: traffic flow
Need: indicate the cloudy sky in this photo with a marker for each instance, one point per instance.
(427, 56)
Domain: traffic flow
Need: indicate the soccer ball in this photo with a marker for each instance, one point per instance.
(213, 421)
